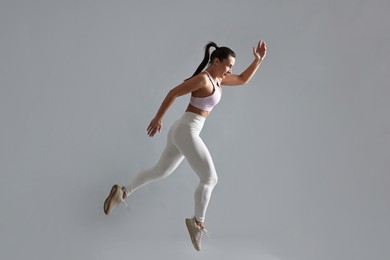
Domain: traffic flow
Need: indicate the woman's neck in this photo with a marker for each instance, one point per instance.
(213, 74)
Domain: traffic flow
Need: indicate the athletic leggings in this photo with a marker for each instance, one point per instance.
(184, 142)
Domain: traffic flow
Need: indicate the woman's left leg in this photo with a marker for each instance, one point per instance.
(198, 156)
(204, 167)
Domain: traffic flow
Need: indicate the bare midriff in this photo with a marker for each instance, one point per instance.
(196, 110)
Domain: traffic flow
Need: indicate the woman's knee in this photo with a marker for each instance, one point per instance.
(161, 172)
(211, 180)
(215, 179)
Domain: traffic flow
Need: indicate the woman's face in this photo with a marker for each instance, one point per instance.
(225, 66)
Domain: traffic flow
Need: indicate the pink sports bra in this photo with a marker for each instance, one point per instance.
(207, 103)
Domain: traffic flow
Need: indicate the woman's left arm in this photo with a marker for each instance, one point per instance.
(244, 77)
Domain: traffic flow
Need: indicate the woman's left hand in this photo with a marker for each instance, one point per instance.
(260, 51)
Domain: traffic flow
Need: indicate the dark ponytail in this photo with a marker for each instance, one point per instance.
(220, 52)
(206, 57)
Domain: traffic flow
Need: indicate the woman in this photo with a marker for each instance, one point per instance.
(183, 137)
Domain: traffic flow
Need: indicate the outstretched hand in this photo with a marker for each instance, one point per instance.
(260, 51)
(154, 126)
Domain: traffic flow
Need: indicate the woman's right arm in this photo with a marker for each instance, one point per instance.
(184, 88)
(245, 77)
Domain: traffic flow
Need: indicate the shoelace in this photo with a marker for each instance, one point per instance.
(206, 232)
(121, 202)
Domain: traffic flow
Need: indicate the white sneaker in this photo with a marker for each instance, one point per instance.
(195, 232)
(115, 198)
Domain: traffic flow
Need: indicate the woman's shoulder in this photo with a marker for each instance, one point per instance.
(200, 79)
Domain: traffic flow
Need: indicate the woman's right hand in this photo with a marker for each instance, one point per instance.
(154, 126)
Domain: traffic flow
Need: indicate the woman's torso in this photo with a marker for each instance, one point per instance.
(203, 100)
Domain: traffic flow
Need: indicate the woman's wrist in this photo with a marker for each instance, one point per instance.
(258, 60)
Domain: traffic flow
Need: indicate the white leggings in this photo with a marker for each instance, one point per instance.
(184, 142)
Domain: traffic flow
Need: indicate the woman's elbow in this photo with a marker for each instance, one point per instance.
(243, 81)
(172, 94)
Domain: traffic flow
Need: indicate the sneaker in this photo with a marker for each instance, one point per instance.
(195, 232)
(114, 199)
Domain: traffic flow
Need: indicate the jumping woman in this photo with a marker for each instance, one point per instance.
(183, 137)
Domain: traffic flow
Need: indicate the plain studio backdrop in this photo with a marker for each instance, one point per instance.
(302, 151)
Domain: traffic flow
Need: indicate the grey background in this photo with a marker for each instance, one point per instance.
(302, 151)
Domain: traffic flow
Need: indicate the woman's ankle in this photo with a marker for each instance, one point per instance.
(199, 223)
(124, 193)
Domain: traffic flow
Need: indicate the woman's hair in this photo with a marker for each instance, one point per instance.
(220, 53)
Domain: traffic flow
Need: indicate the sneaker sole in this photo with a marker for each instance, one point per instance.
(189, 228)
(108, 202)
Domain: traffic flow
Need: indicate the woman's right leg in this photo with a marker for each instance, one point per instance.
(168, 162)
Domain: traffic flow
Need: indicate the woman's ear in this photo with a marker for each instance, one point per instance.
(216, 61)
